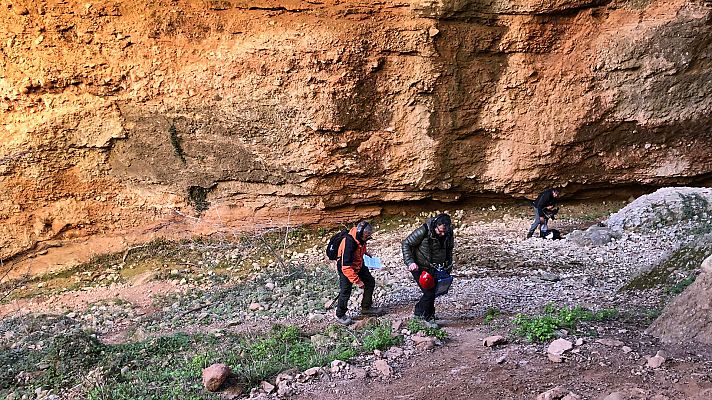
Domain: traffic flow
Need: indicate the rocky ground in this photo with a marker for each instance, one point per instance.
(211, 286)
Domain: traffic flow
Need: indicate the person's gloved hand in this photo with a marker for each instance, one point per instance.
(413, 267)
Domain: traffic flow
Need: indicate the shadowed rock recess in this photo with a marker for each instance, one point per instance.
(125, 120)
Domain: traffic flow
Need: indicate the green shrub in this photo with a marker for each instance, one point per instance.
(543, 327)
(416, 325)
(680, 286)
(381, 338)
(491, 314)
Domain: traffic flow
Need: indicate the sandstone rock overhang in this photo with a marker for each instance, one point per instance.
(125, 120)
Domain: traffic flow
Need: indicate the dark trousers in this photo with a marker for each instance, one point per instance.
(345, 287)
(537, 222)
(425, 307)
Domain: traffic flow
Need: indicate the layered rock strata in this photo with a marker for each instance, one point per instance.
(125, 120)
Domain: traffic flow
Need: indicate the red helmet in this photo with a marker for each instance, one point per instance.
(426, 280)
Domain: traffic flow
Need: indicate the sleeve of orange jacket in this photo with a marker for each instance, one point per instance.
(347, 250)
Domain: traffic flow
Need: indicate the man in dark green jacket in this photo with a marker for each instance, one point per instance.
(429, 248)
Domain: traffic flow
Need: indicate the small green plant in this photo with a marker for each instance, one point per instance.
(681, 285)
(650, 315)
(381, 338)
(535, 329)
(415, 325)
(543, 327)
(491, 314)
(203, 360)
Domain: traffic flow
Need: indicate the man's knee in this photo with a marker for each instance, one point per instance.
(368, 279)
(369, 283)
(345, 290)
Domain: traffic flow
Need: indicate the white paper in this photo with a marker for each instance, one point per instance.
(372, 262)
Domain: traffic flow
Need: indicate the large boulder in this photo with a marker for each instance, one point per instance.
(688, 318)
(666, 208)
(593, 236)
(671, 211)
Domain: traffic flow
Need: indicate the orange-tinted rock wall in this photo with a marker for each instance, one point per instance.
(125, 120)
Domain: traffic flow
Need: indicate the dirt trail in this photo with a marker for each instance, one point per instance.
(464, 369)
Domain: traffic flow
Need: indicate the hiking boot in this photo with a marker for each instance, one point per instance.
(373, 311)
(345, 320)
(529, 235)
(428, 323)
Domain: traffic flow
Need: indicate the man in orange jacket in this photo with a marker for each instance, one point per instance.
(351, 270)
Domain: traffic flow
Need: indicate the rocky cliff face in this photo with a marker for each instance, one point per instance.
(123, 119)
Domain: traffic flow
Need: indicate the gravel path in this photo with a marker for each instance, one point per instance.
(495, 268)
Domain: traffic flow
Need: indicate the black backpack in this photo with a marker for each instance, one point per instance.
(332, 249)
(551, 234)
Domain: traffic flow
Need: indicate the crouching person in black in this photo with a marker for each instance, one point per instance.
(426, 249)
(543, 208)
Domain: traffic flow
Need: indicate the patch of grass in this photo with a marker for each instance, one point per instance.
(169, 367)
(380, 337)
(491, 314)
(262, 358)
(682, 261)
(543, 327)
(680, 286)
(415, 325)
